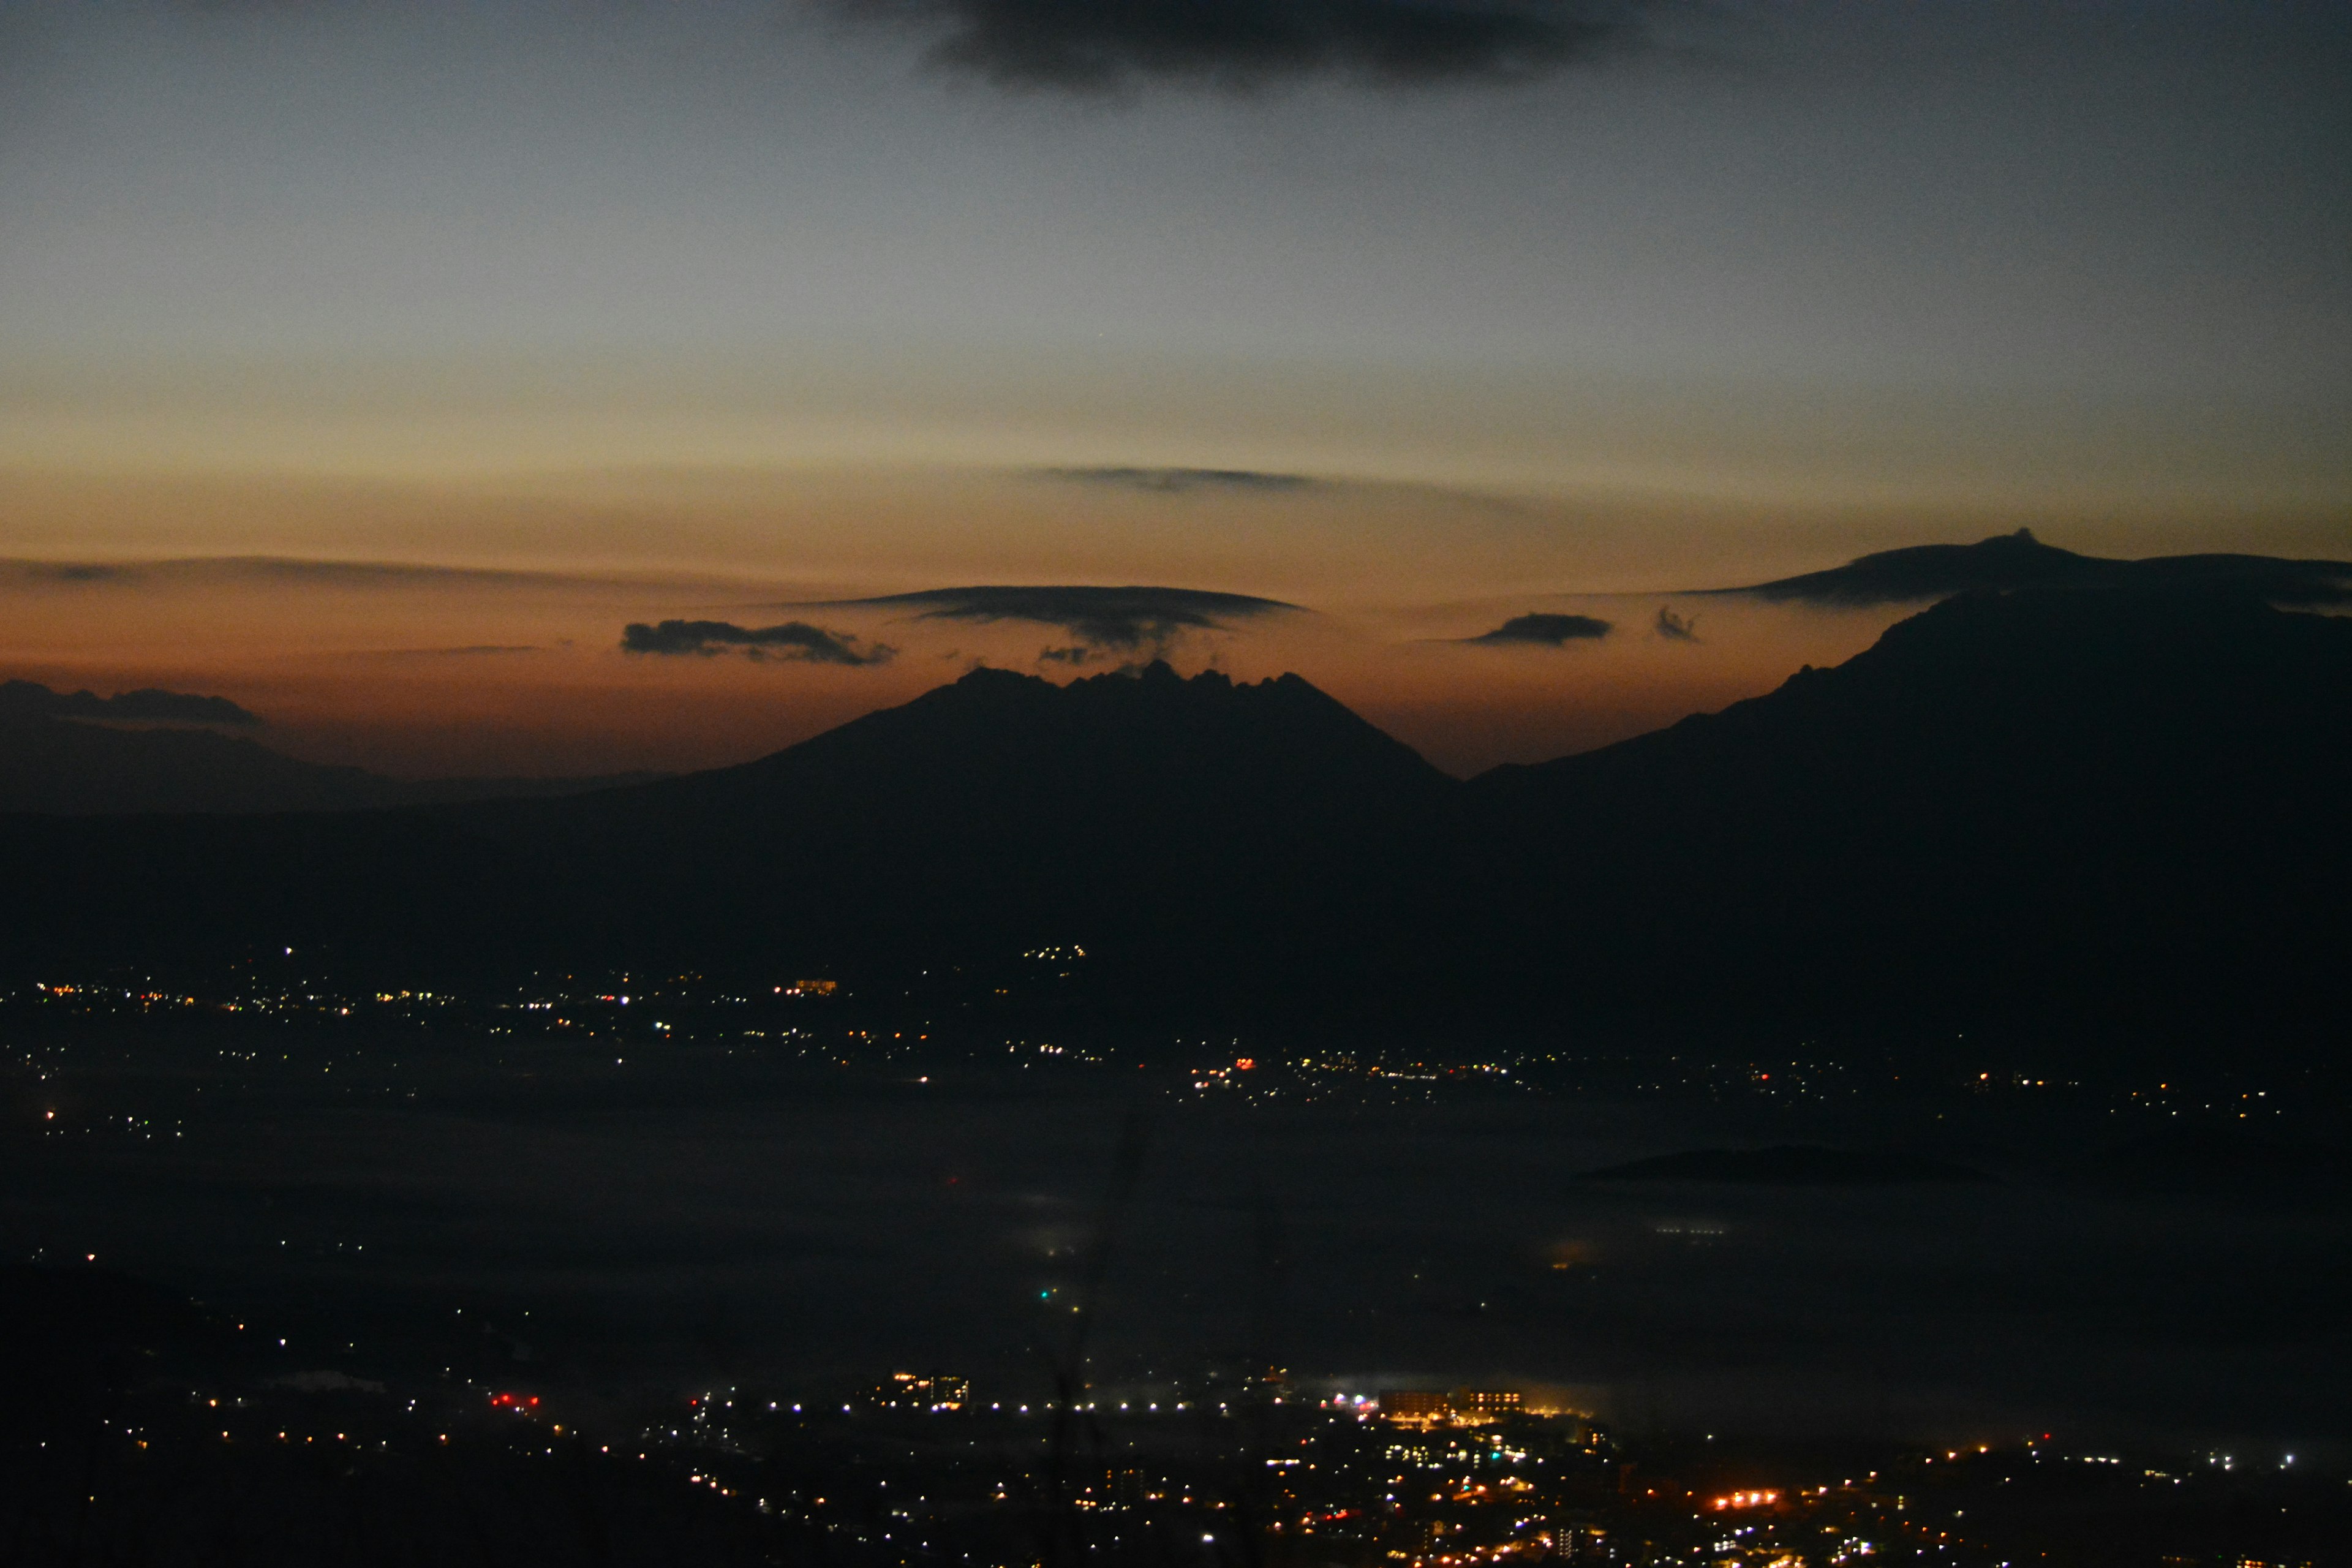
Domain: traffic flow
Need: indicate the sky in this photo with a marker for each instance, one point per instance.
(391, 361)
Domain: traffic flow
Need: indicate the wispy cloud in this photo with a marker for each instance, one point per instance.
(295, 572)
(1178, 481)
(470, 650)
(1675, 628)
(257, 568)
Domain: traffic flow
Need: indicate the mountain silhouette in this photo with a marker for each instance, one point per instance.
(1183, 823)
(1147, 811)
(2011, 802)
(1923, 572)
(52, 761)
(23, 700)
(2119, 807)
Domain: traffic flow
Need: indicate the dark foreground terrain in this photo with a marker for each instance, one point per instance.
(1903, 1115)
(425, 1218)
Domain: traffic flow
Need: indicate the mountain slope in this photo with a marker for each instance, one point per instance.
(1137, 810)
(76, 753)
(68, 768)
(1185, 823)
(1923, 572)
(2034, 800)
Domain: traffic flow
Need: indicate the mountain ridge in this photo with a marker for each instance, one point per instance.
(75, 753)
(2005, 792)
(1006, 802)
(2006, 561)
(2038, 805)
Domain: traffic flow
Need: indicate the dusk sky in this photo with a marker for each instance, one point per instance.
(562, 316)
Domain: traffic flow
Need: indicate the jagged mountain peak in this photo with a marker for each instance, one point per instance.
(1147, 730)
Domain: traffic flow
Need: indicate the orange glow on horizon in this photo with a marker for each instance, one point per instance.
(457, 631)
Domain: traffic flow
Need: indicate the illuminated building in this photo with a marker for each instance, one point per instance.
(1475, 1406)
(1408, 1408)
(1462, 1407)
(924, 1391)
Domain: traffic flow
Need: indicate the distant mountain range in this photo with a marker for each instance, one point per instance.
(2117, 811)
(1925, 571)
(76, 753)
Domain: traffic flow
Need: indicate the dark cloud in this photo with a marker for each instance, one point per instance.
(1099, 46)
(1071, 656)
(1176, 481)
(1543, 631)
(148, 705)
(1124, 618)
(1675, 628)
(2018, 560)
(792, 640)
